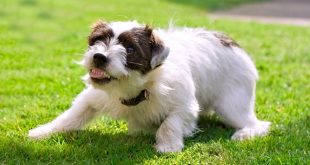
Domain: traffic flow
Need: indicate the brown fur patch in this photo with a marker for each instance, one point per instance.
(144, 44)
(100, 32)
(226, 40)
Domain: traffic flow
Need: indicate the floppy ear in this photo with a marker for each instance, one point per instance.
(99, 24)
(100, 31)
(159, 50)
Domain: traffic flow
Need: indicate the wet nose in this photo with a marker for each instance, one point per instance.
(100, 59)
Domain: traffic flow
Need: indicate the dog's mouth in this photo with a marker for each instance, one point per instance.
(100, 76)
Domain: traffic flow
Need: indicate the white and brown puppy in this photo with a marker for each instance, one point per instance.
(160, 80)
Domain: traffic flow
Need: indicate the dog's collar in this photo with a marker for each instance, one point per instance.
(143, 95)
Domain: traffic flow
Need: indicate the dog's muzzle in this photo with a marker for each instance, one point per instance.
(100, 60)
(98, 73)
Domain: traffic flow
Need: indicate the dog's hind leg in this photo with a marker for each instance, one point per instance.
(73, 119)
(236, 108)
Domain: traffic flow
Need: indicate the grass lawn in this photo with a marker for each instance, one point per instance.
(41, 40)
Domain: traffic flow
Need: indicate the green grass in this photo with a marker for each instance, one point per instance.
(41, 40)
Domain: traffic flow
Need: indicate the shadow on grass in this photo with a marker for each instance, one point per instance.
(94, 147)
(212, 5)
(91, 146)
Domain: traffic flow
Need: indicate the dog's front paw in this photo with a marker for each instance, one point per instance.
(40, 132)
(260, 129)
(165, 148)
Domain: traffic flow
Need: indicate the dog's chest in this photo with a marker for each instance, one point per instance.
(144, 108)
(147, 112)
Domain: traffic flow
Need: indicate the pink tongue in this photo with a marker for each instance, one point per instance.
(97, 73)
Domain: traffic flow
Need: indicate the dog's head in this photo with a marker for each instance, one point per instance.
(121, 49)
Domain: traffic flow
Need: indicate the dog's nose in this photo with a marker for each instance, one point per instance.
(100, 59)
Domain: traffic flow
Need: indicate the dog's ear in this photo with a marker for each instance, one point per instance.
(159, 50)
(100, 31)
(98, 24)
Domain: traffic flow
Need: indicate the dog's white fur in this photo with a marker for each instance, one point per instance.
(199, 74)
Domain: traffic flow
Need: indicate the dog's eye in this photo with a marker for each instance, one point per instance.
(130, 50)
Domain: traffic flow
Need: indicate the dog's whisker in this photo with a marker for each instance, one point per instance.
(134, 63)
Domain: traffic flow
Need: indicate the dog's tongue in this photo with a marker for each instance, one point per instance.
(97, 73)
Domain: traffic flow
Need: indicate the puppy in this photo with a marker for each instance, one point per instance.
(160, 80)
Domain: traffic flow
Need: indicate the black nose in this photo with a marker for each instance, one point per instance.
(100, 59)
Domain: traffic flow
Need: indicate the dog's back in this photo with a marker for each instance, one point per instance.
(215, 61)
